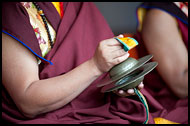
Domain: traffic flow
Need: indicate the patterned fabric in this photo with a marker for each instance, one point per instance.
(39, 28)
(183, 7)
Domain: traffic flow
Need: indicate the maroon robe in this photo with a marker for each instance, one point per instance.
(78, 35)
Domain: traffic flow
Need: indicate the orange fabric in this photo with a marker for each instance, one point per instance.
(183, 6)
(133, 52)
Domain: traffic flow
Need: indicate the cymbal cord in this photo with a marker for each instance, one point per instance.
(143, 100)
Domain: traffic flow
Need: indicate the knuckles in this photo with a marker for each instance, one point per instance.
(106, 57)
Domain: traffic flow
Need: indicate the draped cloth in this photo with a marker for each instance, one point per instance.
(78, 34)
(168, 105)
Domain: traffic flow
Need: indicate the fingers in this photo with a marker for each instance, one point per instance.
(115, 48)
(131, 91)
(128, 92)
(118, 53)
(123, 93)
(120, 59)
(114, 42)
(140, 86)
(108, 53)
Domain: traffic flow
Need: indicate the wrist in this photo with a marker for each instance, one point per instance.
(94, 67)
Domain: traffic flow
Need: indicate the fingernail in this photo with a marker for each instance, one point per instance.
(121, 36)
(141, 85)
(120, 91)
(130, 91)
(128, 54)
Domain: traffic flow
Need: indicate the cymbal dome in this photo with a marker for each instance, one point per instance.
(121, 68)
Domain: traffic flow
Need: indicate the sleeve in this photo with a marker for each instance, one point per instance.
(16, 23)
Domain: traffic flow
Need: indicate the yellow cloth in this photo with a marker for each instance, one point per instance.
(141, 14)
(159, 120)
(57, 6)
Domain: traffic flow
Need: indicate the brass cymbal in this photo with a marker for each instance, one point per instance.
(124, 68)
(131, 80)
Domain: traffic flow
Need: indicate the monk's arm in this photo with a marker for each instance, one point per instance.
(33, 96)
(162, 39)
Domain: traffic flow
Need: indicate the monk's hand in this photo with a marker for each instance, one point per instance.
(109, 53)
(128, 92)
